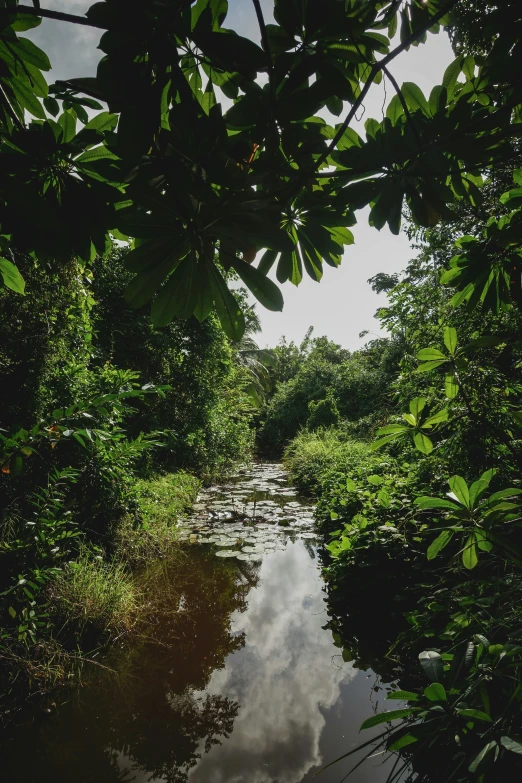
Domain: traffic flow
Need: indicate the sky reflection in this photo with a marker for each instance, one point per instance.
(285, 679)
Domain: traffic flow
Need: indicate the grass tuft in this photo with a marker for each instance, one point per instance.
(93, 595)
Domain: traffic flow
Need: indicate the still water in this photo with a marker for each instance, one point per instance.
(237, 679)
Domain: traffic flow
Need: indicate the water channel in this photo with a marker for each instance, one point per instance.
(237, 680)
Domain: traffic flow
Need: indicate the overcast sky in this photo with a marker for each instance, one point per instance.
(342, 304)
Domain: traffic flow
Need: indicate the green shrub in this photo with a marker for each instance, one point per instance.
(312, 457)
(323, 413)
(358, 382)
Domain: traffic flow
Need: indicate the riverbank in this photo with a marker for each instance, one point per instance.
(447, 623)
(98, 599)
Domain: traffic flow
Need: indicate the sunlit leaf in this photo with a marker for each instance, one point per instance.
(11, 276)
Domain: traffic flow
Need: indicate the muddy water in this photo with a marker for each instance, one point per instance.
(237, 681)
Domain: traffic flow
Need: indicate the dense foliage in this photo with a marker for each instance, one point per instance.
(423, 518)
(319, 383)
(93, 398)
(198, 187)
(193, 182)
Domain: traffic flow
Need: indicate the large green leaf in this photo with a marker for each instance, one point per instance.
(392, 428)
(511, 744)
(103, 121)
(414, 98)
(423, 443)
(402, 742)
(67, 122)
(27, 98)
(403, 696)
(460, 489)
(142, 288)
(179, 295)
(437, 418)
(11, 276)
(30, 53)
(268, 260)
(476, 491)
(261, 286)
(232, 51)
(436, 692)
(450, 339)
(278, 39)
(432, 365)
(96, 153)
(417, 405)
(470, 552)
(284, 267)
(438, 545)
(25, 22)
(451, 387)
(503, 493)
(451, 74)
(475, 714)
(481, 755)
(205, 300)
(228, 309)
(394, 110)
(430, 354)
(377, 444)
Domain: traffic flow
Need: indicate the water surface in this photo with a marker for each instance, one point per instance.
(238, 681)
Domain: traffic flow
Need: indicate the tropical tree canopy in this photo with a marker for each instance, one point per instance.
(204, 147)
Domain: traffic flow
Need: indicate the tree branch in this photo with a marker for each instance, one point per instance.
(376, 68)
(266, 47)
(262, 26)
(57, 16)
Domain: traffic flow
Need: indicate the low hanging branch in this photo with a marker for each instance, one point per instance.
(266, 47)
(58, 16)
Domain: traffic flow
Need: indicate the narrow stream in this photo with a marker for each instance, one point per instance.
(238, 680)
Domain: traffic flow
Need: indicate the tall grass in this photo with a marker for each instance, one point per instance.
(310, 456)
(162, 503)
(92, 595)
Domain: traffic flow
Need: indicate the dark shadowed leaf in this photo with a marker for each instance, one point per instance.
(385, 717)
(438, 545)
(261, 286)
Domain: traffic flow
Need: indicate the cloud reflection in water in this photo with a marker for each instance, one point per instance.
(284, 679)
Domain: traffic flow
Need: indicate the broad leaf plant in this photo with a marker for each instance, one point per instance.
(207, 150)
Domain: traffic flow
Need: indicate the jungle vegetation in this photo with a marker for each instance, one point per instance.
(132, 203)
